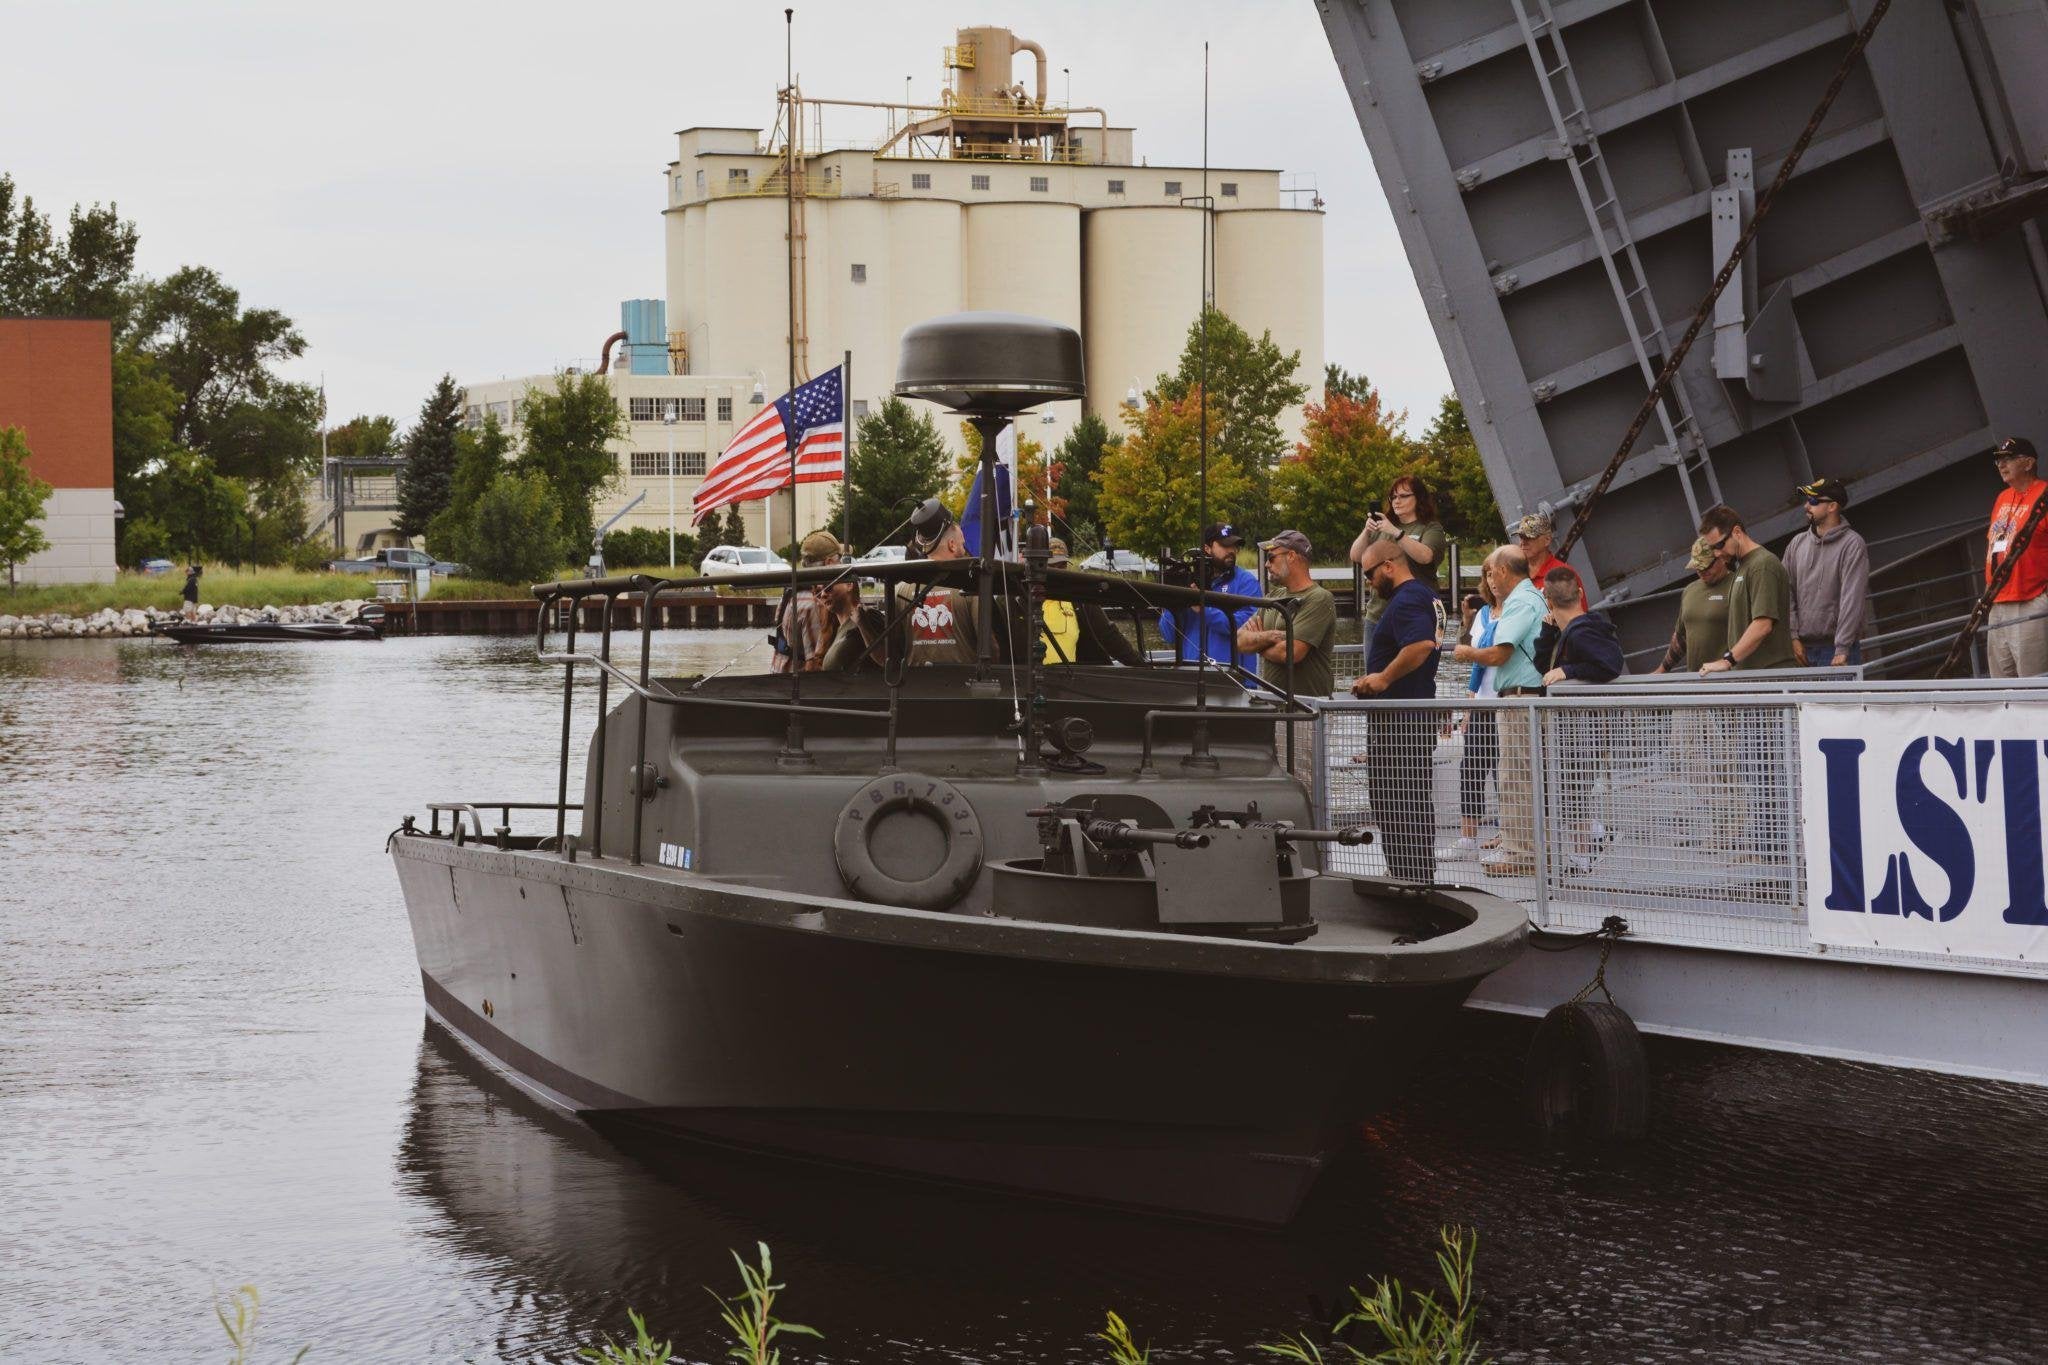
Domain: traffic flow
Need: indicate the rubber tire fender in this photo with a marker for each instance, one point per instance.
(932, 796)
(1586, 1074)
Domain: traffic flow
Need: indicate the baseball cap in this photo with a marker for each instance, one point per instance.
(1832, 489)
(2013, 447)
(1223, 531)
(1534, 524)
(820, 547)
(1702, 555)
(1290, 540)
(1059, 551)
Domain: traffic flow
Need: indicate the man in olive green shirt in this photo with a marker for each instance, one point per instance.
(1759, 597)
(1315, 622)
(1315, 631)
(1703, 742)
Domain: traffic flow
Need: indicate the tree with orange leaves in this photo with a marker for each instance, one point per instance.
(1151, 484)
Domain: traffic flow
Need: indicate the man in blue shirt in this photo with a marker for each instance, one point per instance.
(1401, 740)
(1513, 653)
(1219, 543)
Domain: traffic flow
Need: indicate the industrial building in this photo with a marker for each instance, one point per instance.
(994, 197)
(57, 385)
(706, 410)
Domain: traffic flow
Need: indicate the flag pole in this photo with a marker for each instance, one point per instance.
(789, 199)
(846, 456)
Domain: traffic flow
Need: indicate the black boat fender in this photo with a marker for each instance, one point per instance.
(881, 806)
(1586, 1075)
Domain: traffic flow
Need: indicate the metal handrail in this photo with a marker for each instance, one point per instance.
(474, 809)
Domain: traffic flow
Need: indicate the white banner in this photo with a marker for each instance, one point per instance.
(1923, 827)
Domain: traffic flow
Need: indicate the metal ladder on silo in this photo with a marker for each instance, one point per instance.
(1618, 254)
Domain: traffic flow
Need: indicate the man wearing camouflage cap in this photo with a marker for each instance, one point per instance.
(1533, 533)
(811, 618)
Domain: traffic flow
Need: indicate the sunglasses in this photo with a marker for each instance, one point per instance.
(1815, 502)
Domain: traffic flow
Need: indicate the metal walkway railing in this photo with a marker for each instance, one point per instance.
(1676, 806)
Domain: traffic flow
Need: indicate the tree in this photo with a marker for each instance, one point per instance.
(364, 438)
(22, 497)
(205, 514)
(569, 432)
(899, 460)
(145, 405)
(426, 481)
(732, 530)
(1079, 458)
(1250, 384)
(480, 456)
(1450, 460)
(1151, 484)
(1350, 451)
(515, 532)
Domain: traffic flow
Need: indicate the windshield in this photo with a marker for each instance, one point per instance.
(756, 557)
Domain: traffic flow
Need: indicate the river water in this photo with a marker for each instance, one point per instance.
(214, 1071)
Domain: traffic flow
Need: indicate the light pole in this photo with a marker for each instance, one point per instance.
(669, 421)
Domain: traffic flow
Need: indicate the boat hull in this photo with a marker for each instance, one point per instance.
(917, 1043)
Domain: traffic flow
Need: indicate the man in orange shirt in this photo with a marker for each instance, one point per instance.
(1533, 534)
(2017, 633)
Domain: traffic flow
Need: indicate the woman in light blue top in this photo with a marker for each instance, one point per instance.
(1482, 730)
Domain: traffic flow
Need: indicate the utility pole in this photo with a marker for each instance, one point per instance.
(670, 422)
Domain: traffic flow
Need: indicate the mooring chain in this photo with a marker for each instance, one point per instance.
(1699, 318)
(1609, 933)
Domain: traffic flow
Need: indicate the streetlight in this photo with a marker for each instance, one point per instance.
(669, 420)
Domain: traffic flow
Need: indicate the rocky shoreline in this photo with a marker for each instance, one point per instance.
(109, 621)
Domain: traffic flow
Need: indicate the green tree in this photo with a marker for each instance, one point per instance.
(426, 481)
(480, 456)
(1449, 458)
(364, 438)
(22, 497)
(145, 405)
(899, 460)
(732, 530)
(1080, 458)
(1251, 382)
(1151, 483)
(1350, 451)
(515, 533)
(569, 432)
(1356, 387)
(205, 514)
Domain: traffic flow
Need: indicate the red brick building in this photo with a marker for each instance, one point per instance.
(57, 385)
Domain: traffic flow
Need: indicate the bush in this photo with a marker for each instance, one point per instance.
(515, 531)
(144, 538)
(645, 547)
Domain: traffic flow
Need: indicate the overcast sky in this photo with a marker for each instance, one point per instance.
(472, 188)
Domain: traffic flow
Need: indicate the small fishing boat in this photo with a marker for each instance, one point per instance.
(366, 624)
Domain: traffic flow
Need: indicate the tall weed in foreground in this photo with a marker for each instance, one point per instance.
(238, 1319)
(1123, 1350)
(750, 1315)
(643, 1350)
(1417, 1331)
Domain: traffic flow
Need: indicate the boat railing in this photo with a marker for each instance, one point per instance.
(1682, 807)
(501, 833)
(1080, 587)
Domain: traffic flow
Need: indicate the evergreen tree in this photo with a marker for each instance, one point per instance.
(426, 480)
(569, 432)
(899, 460)
(1079, 458)
(1251, 382)
(734, 529)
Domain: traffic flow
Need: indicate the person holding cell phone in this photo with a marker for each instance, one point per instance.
(1410, 520)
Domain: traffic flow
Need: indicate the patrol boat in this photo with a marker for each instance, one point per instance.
(1045, 925)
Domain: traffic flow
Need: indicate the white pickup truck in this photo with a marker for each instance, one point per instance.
(395, 560)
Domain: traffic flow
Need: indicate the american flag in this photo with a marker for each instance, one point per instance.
(756, 461)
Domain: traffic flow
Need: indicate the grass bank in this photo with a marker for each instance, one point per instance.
(223, 587)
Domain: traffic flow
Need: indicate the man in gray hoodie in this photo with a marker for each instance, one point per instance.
(1830, 570)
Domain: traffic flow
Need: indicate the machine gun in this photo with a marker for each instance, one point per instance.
(1285, 834)
(1077, 842)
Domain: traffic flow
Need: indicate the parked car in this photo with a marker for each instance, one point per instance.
(1126, 561)
(885, 554)
(727, 560)
(395, 560)
(156, 568)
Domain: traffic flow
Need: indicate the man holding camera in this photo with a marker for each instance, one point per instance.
(1217, 639)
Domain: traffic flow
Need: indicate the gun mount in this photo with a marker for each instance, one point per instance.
(1228, 873)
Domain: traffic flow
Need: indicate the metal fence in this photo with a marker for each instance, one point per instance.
(1674, 806)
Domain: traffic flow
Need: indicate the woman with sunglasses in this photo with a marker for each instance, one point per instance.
(1410, 519)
